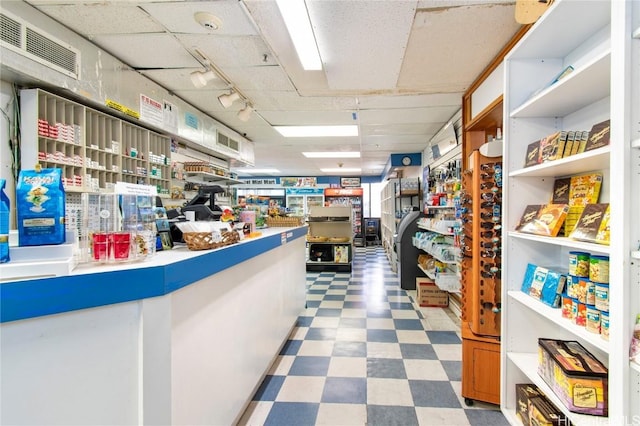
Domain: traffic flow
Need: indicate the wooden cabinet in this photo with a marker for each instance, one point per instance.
(330, 238)
(604, 85)
(93, 149)
(481, 367)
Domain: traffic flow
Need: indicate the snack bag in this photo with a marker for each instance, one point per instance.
(40, 203)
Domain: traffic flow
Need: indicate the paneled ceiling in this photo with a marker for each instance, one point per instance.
(395, 68)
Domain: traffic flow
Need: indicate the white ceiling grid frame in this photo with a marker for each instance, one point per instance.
(346, 29)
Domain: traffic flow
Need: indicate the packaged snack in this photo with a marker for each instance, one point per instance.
(587, 227)
(574, 375)
(548, 221)
(599, 269)
(40, 204)
(4, 223)
(579, 263)
(544, 284)
(602, 297)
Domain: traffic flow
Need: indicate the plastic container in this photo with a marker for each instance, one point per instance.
(579, 263)
(604, 325)
(602, 297)
(593, 319)
(599, 269)
(4, 223)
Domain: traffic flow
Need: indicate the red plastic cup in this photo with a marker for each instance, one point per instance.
(121, 245)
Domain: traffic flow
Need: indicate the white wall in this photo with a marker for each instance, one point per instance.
(7, 102)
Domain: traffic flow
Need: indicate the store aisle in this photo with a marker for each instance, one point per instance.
(363, 353)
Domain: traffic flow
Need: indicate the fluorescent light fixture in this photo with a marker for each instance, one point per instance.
(257, 171)
(317, 131)
(296, 19)
(332, 154)
(342, 170)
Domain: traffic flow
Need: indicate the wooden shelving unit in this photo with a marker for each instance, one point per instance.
(93, 149)
(334, 224)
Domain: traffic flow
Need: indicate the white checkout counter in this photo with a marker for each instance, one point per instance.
(183, 338)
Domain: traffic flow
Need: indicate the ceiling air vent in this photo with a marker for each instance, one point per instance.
(37, 45)
(228, 142)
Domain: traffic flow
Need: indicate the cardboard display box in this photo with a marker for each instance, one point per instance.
(430, 295)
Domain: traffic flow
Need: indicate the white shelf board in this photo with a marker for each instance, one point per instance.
(437, 231)
(560, 30)
(635, 254)
(440, 207)
(634, 366)
(589, 161)
(528, 364)
(569, 94)
(636, 33)
(555, 315)
(200, 177)
(635, 143)
(562, 241)
(427, 273)
(510, 415)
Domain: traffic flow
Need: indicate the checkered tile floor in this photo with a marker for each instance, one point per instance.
(364, 353)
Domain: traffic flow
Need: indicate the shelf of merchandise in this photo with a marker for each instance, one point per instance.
(330, 229)
(594, 38)
(388, 223)
(204, 177)
(528, 364)
(437, 231)
(94, 150)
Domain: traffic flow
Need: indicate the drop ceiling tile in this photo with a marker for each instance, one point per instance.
(345, 33)
(101, 17)
(179, 17)
(230, 51)
(148, 51)
(449, 47)
(178, 80)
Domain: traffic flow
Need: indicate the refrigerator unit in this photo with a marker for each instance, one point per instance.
(349, 197)
(300, 200)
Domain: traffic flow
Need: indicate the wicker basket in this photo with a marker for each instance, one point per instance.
(275, 222)
(205, 241)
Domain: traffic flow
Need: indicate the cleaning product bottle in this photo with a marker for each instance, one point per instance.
(4, 224)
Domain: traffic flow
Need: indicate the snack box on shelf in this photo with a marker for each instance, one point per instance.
(574, 375)
(544, 284)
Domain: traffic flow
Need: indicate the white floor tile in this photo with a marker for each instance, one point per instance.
(325, 322)
(316, 348)
(448, 352)
(342, 414)
(301, 389)
(351, 335)
(404, 314)
(424, 369)
(256, 413)
(380, 324)
(383, 350)
(389, 392)
(354, 313)
(281, 365)
(412, 336)
(433, 416)
(345, 366)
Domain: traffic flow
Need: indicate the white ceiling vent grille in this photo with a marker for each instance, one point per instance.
(10, 31)
(35, 44)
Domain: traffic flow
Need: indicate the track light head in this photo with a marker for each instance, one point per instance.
(228, 99)
(245, 113)
(200, 78)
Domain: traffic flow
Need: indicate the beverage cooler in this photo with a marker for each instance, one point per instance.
(300, 200)
(349, 197)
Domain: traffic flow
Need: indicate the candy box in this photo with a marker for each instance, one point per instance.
(40, 205)
(574, 375)
(524, 393)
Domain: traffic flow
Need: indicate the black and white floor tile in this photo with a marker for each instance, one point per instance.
(364, 353)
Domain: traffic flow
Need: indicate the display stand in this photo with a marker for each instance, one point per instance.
(481, 288)
(596, 39)
(329, 242)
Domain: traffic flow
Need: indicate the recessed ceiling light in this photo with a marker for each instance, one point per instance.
(332, 154)
(342, 170)
(317, 131)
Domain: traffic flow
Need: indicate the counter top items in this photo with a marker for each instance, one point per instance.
(40, 207)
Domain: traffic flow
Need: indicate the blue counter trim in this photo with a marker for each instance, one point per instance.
(35, 298)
